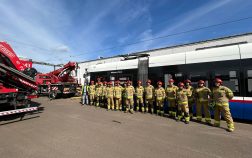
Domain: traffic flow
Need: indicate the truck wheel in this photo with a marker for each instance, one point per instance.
(52, 95)
(27, 103)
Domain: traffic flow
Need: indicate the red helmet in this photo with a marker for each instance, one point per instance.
(201, 82)
(148, 81)
(99, 83)
(105, 82)
(181, 84)
(117, 82)
(139, 81)
(159, 83)
(218, 80)
(129, 81)
(110, 83)
(171, 80)
(188, 81)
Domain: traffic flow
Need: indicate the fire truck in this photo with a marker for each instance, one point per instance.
(59, 82)
(17, 84)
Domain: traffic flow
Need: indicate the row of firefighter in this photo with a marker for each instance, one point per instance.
(181, 99)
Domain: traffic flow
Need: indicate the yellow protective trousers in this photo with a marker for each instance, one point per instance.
(183, 108)
(223, 109)
(110, 103)
(172, 107)
(139, 101)
(204, 105)
(129, 104)
(91, 99)
(160, 106)
(118, 103)
(149, 104)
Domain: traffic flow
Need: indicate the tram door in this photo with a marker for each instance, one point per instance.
(247, 110)
(143, 66)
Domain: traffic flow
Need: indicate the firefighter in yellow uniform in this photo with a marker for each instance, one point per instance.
(129, 94)
(139, 96)
(170, 91)
(98, 81)
(98, 94)
(202, 96)
(124, 96)
(91, 92)
(118, 96)
(220, 97)
(110, 96)
(182, 100)
(104, 98)
(149, 97)
(160, 97)
(190, 90)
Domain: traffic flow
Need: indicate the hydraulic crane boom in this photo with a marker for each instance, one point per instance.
(9, 58)
(17, 86)
(58, 82)
(14, 71)
(62, 74)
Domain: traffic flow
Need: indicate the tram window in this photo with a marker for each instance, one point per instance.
(123, 78)
(250, 85)
(231, 85)
(178, 75)
(232, 73)
(230, 79)
(249, 73)
(196, 76)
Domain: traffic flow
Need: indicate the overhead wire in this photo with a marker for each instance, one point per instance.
(165, 36)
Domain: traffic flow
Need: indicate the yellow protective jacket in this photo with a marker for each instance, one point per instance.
(139, 91)
(171, 92)
(118, 92)
(104, 90)
(190, 90)
(202, 94)
(91, 90)
(129, 92)
(110, 92)
(182, 96)
(98, 91)
(149, 92)
(221, 95)
(160, 93)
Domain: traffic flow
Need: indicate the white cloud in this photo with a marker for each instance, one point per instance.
(193, 16)
(190, 18)
(129, 12)
(62, 48)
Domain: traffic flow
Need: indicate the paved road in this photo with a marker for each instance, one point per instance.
(65, 129)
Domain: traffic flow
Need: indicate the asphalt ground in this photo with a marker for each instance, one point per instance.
(66, 129)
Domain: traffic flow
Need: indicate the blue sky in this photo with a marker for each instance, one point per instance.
(58, 31)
